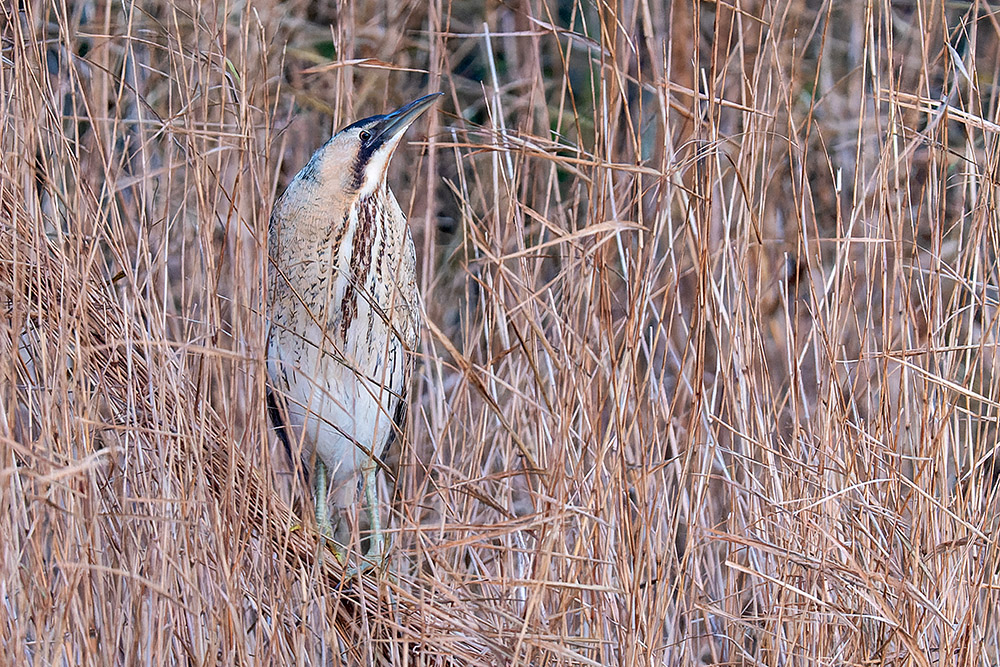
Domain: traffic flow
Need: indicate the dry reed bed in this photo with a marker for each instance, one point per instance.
(708, 371)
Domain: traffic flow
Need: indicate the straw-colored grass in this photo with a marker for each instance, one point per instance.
(707, 376)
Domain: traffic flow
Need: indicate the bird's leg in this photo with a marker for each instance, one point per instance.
(375, 555)
(321, 489)
(376, 547)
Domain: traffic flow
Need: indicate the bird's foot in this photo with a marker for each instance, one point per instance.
(374, 559)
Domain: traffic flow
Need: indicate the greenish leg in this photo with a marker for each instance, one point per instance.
(376, 550)
(320, 491)
(375, 555)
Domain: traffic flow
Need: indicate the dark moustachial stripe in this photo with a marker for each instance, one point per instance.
(358, 178)
(364, 155)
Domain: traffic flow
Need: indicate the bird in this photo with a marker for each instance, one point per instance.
(344, 319)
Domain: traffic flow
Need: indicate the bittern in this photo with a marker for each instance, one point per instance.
(344, 314)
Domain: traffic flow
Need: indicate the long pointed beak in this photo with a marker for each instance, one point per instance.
(394, 124)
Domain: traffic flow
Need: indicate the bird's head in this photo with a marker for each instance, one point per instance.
(355, 160)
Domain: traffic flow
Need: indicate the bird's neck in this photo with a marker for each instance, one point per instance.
(340, 231)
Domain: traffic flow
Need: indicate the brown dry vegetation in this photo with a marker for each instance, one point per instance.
(708, 374)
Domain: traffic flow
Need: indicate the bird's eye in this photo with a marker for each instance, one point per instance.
(365, 135)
